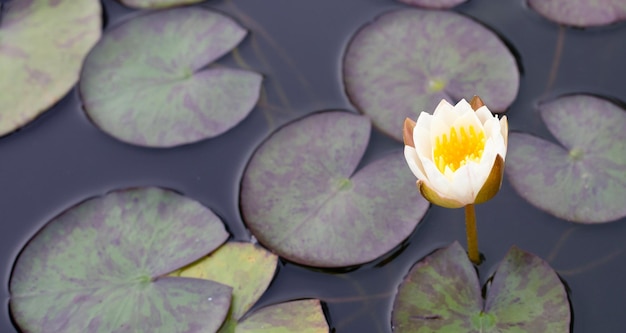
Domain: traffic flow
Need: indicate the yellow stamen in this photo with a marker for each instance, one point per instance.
(458, 147)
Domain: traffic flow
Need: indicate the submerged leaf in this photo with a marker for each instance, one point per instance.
(582, 179)
(42, 47)
(581, 13)
(441, 293)
(100, 266)
(301, 198)
(145, 82)
(407, 61)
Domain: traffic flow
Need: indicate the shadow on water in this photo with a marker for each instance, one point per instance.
(61, 158)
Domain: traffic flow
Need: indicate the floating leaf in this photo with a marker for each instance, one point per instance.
(441, 293)
(42, 47)
(584, 178)
(144, 82)
(300, 198)
(433, 4)
(406, 61)
(304, 316)
(100, 266)
(157, 3)
(249, 269)
(581, 13)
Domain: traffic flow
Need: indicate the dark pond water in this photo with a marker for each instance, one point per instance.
(61, 158)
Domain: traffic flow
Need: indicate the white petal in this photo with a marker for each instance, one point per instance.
(504, 129)
(469, 179)
(437, 181)
(484, 114)
(492, 128)
(423, 121)
(423, 145)
(437, 128)
(414, 163)
(445, 111)
(468, 119)
(463, 107)
(461, 186)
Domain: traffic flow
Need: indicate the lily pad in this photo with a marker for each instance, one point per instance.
(583, 178)
(152, 4)
(441, 293)
(407, 61)
(305, 316)
(434, 4)
(581, 13)
(145, 82)
(301, 197)
(100, 266)
(249, 269)
(42, 47)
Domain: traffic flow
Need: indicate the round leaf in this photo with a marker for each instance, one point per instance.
(298, 316)
(151, 4)
(433, 4)
(249, 278)
(406, 61)
(584, 178)
(144, 82)
(42, 46)
(441, 294)
(581, 13)
(299, 196)
(99, 267)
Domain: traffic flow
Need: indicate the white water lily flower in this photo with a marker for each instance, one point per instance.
(457, 153)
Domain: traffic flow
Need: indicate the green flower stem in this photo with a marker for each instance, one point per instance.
(472, 236)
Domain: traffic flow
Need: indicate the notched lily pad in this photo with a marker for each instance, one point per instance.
(441, 293)
(406, 61)
(434, 4)
(583, 178)
(152, 4)
(100, 267)
(249, 269)
(301, 198)
(42, 47)
(144, 82)
(581, 13)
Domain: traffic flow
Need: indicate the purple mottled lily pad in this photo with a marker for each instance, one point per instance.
(301, 197)
(42, 47)
(434, 4)
(249, 279)
(582, 179)
(100, 266)
(441, 293)
(581, 13)
(407, 61)
(145, 82)
(152, 4)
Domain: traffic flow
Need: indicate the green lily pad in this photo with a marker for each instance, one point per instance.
(152, 4)
(581, 13)
(305, 316)
(441, 293)
(301, 197)
(42, 47)
(583, 178)
(145, 82)
(250, 277)
(100, 266)
(407, 61)
(433, 4)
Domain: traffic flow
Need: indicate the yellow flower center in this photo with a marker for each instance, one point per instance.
(456, 148)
